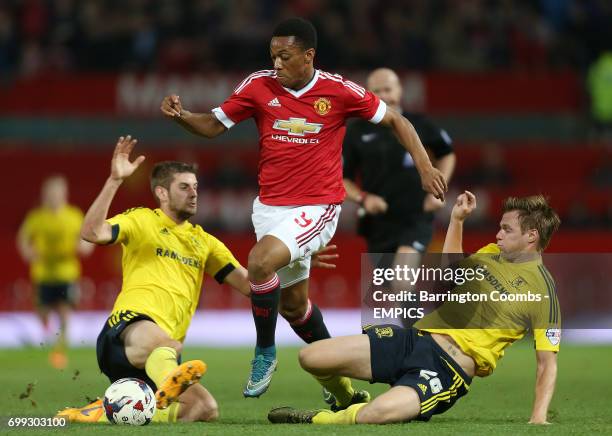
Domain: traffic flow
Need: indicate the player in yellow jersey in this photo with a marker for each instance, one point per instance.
(49, 241)
(164, 259)
(430, 368)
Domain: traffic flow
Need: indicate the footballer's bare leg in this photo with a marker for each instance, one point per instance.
(197, 404)
(63, 311)
(332, 361)
(58, 357)
(43, 314)
(347, 356)
(141, 338)
(398, 404)
(267, 256)
(149, 347)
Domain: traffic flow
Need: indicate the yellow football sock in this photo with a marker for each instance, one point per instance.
(339, 386)
(160, 363)
(169, 414)
(346, 416)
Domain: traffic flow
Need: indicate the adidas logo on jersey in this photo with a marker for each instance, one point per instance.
(164, 231)
(274, 102)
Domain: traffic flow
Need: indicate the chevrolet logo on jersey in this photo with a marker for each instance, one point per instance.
(297, 126)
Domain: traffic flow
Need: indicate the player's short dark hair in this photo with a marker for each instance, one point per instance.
(163, 173)
(534, 213)
(304, 32)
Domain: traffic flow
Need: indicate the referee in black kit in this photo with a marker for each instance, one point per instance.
(396, 215)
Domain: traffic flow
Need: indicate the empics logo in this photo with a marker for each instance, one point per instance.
(297, 126)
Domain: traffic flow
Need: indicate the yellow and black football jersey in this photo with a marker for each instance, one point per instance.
(55, 238)
(163, 266)
(487, 328)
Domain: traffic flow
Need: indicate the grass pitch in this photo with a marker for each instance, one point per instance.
(495, 405)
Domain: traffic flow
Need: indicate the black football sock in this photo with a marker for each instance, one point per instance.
(264, 304)
(311, 327)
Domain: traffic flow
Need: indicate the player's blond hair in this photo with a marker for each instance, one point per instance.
(534, 213)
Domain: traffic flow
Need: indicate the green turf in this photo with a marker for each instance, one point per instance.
(498, 404)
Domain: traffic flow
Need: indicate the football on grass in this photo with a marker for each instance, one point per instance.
(129, 401)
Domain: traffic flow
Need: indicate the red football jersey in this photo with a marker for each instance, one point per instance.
(300, 133)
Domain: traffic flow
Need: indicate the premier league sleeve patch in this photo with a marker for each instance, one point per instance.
(553, 336)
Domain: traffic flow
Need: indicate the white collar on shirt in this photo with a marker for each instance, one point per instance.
(306, 88)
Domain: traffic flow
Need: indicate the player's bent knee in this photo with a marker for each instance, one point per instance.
(173, 344)
(209, 414)
(200, 411)
(208, 407)
(166, 342)
(308, 359)
(260, 265)
(197, 404)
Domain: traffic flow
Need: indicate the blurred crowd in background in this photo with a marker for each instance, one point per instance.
(524, 88)
(41, 36)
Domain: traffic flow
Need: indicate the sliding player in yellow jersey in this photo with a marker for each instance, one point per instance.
(164, 259)
(430, 368)
(49, 241)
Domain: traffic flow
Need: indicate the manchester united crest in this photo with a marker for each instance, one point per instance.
(322, 106)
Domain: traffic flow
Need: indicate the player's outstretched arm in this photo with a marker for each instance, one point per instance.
(95, 228)
(432, 179)
(206, 125)
(239, 280)
(464, 206)
(546, 377)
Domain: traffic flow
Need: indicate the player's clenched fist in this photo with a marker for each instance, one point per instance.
(171, 106)
(465, 205)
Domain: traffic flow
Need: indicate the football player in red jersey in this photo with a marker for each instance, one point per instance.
(300, 113)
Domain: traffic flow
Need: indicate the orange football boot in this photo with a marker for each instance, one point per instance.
(92, 413)
(178, 381)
